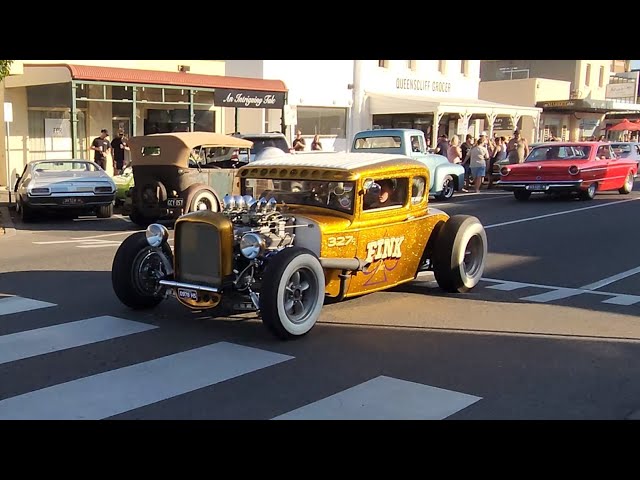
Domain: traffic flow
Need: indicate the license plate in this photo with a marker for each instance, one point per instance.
(537, 186)
(188, 294)
(72, 201)
(175, 202)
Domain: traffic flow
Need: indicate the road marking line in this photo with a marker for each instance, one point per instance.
(385, 398)
(117, 391)
(557, 294)
(611, 279)
(18, 346)
(495, 197)
(15, 304)
(623, 299)
(564, 212)
(126, 232)
(508, 286)
(110, 244)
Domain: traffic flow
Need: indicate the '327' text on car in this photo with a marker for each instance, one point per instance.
(355, 223)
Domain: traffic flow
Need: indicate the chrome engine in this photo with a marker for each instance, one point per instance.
(259, 227)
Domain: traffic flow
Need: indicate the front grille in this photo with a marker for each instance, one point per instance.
(198, 253)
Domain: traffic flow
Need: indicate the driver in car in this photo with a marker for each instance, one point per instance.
(385, 197)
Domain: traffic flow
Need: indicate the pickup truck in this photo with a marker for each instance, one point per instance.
(444, 177)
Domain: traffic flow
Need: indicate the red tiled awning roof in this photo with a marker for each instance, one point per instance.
(178, 79)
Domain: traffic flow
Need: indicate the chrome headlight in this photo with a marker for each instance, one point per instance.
(252, 245)
(156, 234)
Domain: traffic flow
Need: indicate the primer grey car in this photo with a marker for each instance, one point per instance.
(78, 187)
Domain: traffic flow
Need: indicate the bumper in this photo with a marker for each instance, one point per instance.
(541, 186)
(68, 201)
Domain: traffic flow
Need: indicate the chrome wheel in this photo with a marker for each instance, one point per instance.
(147, 271)
(473, 256)
(300, 295)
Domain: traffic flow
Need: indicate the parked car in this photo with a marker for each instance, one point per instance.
(260, 142)
(497, 166)
(123, 182)
(445, 177)
(576, 168)
(77, 187)
(176, 173)
(629, 150)
(360, 223)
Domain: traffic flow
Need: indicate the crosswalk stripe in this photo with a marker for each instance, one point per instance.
(385, 398)
(16, 304)
(118, 391)
(17, 346)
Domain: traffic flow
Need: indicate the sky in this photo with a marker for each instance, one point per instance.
(635, 64)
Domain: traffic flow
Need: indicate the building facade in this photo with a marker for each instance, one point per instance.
(592, 96)
(60, 106)
(435, 96)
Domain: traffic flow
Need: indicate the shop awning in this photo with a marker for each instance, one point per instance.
(388, 103)
(42, 74)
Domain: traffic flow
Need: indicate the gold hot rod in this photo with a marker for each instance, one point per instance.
(309, 226)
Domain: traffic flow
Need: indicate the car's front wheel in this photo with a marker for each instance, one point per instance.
(292, 293)
(460, 253)
(136, 271)
(448, 187)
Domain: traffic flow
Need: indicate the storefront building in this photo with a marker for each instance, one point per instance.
(318, 100)
(435, 96)
(59, 108)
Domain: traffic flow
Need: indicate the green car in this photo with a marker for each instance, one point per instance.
(123, 183)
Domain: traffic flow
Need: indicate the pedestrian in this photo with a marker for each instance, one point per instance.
(478, 157)
(102, 147)
(517, 148)
(498, 155)
(465, 147)
(442, 147)
(316, 144)
(299, 143)
(119, 146)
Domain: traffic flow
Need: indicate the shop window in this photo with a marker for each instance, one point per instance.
(37, 142)
(322, 121)
(442, 66)
(383, 63)
(464, 67)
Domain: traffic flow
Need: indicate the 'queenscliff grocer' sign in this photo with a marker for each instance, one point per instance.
(225, 97)
(423, 85)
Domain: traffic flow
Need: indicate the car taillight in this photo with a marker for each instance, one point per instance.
(504, 171)
(574, 170)
(40, 191)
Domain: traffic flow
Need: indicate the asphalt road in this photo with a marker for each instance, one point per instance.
(551, 332)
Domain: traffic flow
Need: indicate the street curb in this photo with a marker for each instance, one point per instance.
(6, 223)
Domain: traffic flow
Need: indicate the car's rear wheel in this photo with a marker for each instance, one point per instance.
(292, 293)
(590, 192)
(628, 184)
(105, 211)
(460, 253)
(139, 219)
(136, 270)
(24, 212)
(448, 187)
(522, 195)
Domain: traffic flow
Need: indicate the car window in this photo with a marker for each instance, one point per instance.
(603, 152)
(393, 193)
(417, 190)
(558, 152)
(365, 143)
(260, 143)
(65, 166)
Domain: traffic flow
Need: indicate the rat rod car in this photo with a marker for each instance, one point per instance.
(357, 223)
(176, 173)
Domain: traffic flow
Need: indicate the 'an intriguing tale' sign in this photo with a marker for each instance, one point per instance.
(225, 97)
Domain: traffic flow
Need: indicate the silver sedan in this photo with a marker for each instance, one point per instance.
(78, 187)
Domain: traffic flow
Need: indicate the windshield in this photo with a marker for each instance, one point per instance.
(367, 143)
(333, 195)
(559, 152)
(65, 166)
